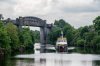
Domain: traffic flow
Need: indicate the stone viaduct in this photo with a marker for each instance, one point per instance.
(36, 22)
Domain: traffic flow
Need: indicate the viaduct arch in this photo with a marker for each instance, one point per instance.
(37, 22)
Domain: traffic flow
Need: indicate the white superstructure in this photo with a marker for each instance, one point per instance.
(61, 40)
(37, 47)
(61, 44)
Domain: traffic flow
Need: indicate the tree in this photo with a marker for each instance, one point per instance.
(81, 43)
(69, 33)
(59, 26)
(54, 34)
(89, 36)
(61, 23)
(96, 23)
(32, 35)
(96, 41)
(4, 38)
(36, 36)
(13, 33)
(25, 38)
(83, 30)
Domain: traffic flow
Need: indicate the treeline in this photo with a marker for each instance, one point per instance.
(87, 36)
(36, 36)
(67, 29)
(13, 40)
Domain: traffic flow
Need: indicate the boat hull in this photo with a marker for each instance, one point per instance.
(61, 48)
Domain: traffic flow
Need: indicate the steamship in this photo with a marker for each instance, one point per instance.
(61, 44)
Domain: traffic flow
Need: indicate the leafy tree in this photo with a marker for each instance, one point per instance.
(81, 43)
(69, 33)
(36, 35)
(25, 37)
(90, 33)
(59, 26)
(61, 23)
(4, 38)
(96, 23)
(54, 34)
(13, 33)
(89, 36)
(83, 30)
(96, 41)
(32, 35)
(68, 30)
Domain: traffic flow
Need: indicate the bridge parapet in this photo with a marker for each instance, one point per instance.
(32, 21)
(29, 21)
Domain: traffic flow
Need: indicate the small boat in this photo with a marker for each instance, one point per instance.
(37, 47)
(61, 44)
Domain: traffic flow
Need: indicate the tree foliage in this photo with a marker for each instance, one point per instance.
(59, 26)
(13, 34)
(54, 34)
(96, 23)
(25, 37)
(4, 38)
(81, 42)
(90, 34)
(12, 39)
(87, 36)
(36, 34)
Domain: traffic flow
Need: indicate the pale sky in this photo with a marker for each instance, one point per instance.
(75, 12)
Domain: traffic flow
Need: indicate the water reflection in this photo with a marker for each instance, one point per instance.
(57, 59)
(76, 57)
(49, 62)
(87, 50)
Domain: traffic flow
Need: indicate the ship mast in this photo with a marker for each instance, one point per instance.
(62, 34)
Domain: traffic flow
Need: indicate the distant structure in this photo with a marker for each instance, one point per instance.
(33, 21)
(1, 17)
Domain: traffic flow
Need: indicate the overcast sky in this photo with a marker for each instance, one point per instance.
(76, 12)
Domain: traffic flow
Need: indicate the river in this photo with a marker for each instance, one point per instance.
(75, 57)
